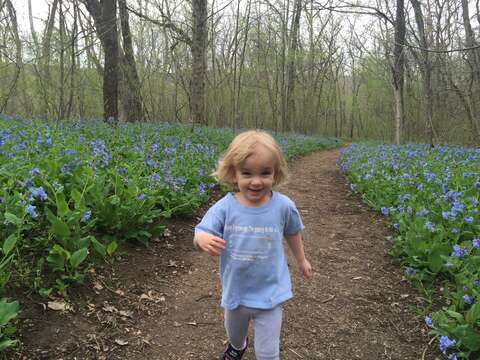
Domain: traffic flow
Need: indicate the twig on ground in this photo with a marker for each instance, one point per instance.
(327, 300)
(426, 347)
(293, 351)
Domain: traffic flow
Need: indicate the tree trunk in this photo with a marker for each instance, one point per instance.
(105, 17)
(134, 103)
(199, 44)
(291, 66)
(399, 70)
(18, 56)
(426, 70)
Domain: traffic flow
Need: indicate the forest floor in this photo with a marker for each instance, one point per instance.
(162, 302)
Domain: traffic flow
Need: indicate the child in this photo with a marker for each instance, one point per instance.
(246, 230)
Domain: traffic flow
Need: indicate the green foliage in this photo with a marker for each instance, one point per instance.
(431, 196)
(72, 193)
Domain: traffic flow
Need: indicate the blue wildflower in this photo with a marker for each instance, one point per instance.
(429, 226)
(458, 251)
(452, 356)
(445, 343)
(468, 219)
(141, 197)
(35, 172)
(423, 212)
(384, 211)
(448, 264)
(476, 243)
(428, 321)
(38, 193)
(86, 215)
(396, 226)
(409, 271)
(31, 211)
(467, 299)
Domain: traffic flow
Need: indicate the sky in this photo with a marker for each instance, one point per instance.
(39, 10)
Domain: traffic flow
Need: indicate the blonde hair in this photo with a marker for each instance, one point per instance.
(241, 147)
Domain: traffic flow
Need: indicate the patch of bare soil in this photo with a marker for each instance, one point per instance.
(162, 302)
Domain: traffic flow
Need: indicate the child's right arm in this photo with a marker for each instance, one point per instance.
(211, 244)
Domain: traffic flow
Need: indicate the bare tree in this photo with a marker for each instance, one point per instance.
(199, 40)
(18, 56)
(105, 17)
(133, 98)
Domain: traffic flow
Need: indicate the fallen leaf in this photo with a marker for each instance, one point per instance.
(121, 342)
(58, 306)
(176, 324)
(126, 313)
(110, 308)
(97, 286)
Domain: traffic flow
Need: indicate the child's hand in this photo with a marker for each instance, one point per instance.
(305, 268)
(213, 245)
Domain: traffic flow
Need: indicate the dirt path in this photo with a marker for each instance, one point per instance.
(162, 302)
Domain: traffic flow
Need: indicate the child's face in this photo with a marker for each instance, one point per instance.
(255, 177)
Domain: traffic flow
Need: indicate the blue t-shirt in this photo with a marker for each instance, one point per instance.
(253, 266)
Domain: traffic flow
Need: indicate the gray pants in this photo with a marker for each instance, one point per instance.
(267, 325)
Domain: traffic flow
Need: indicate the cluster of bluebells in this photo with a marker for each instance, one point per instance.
(431, 195)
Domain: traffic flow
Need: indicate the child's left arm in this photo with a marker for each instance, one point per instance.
(296, 245)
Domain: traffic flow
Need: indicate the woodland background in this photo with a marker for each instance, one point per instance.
(401, 71)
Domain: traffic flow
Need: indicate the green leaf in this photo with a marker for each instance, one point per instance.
(62, 206)
(78, 257)
(9, 244)
(12, 219)
(468, 337)
(59, 228)
(98, 246)
(4, 344)
(112, 247)
(456, 315)
(77, 198)
(114, 200)
(473, 314)
(8, 311)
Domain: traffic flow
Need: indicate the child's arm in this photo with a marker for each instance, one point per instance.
(296, 245)
(211, 244)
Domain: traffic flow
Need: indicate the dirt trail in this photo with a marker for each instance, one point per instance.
(162, 302)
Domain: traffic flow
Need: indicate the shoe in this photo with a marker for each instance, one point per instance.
(233, 354)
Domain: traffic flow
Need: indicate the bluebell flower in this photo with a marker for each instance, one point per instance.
(38, 193)
(452, 356)
(468, 219)
(445, 215)
(448, 264)
(353, 187)
(396, 226)
(201, 188)
(35, 172)
(384, 211)
(445, 343)
(423, 212)
(429, 226)
(467, 299)
(31, 211)
(86, 215)
(141, 197)
(458, 251)
(389, 238)
(476, 243)
(428, 321)
(410, 271)
(454, 230)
